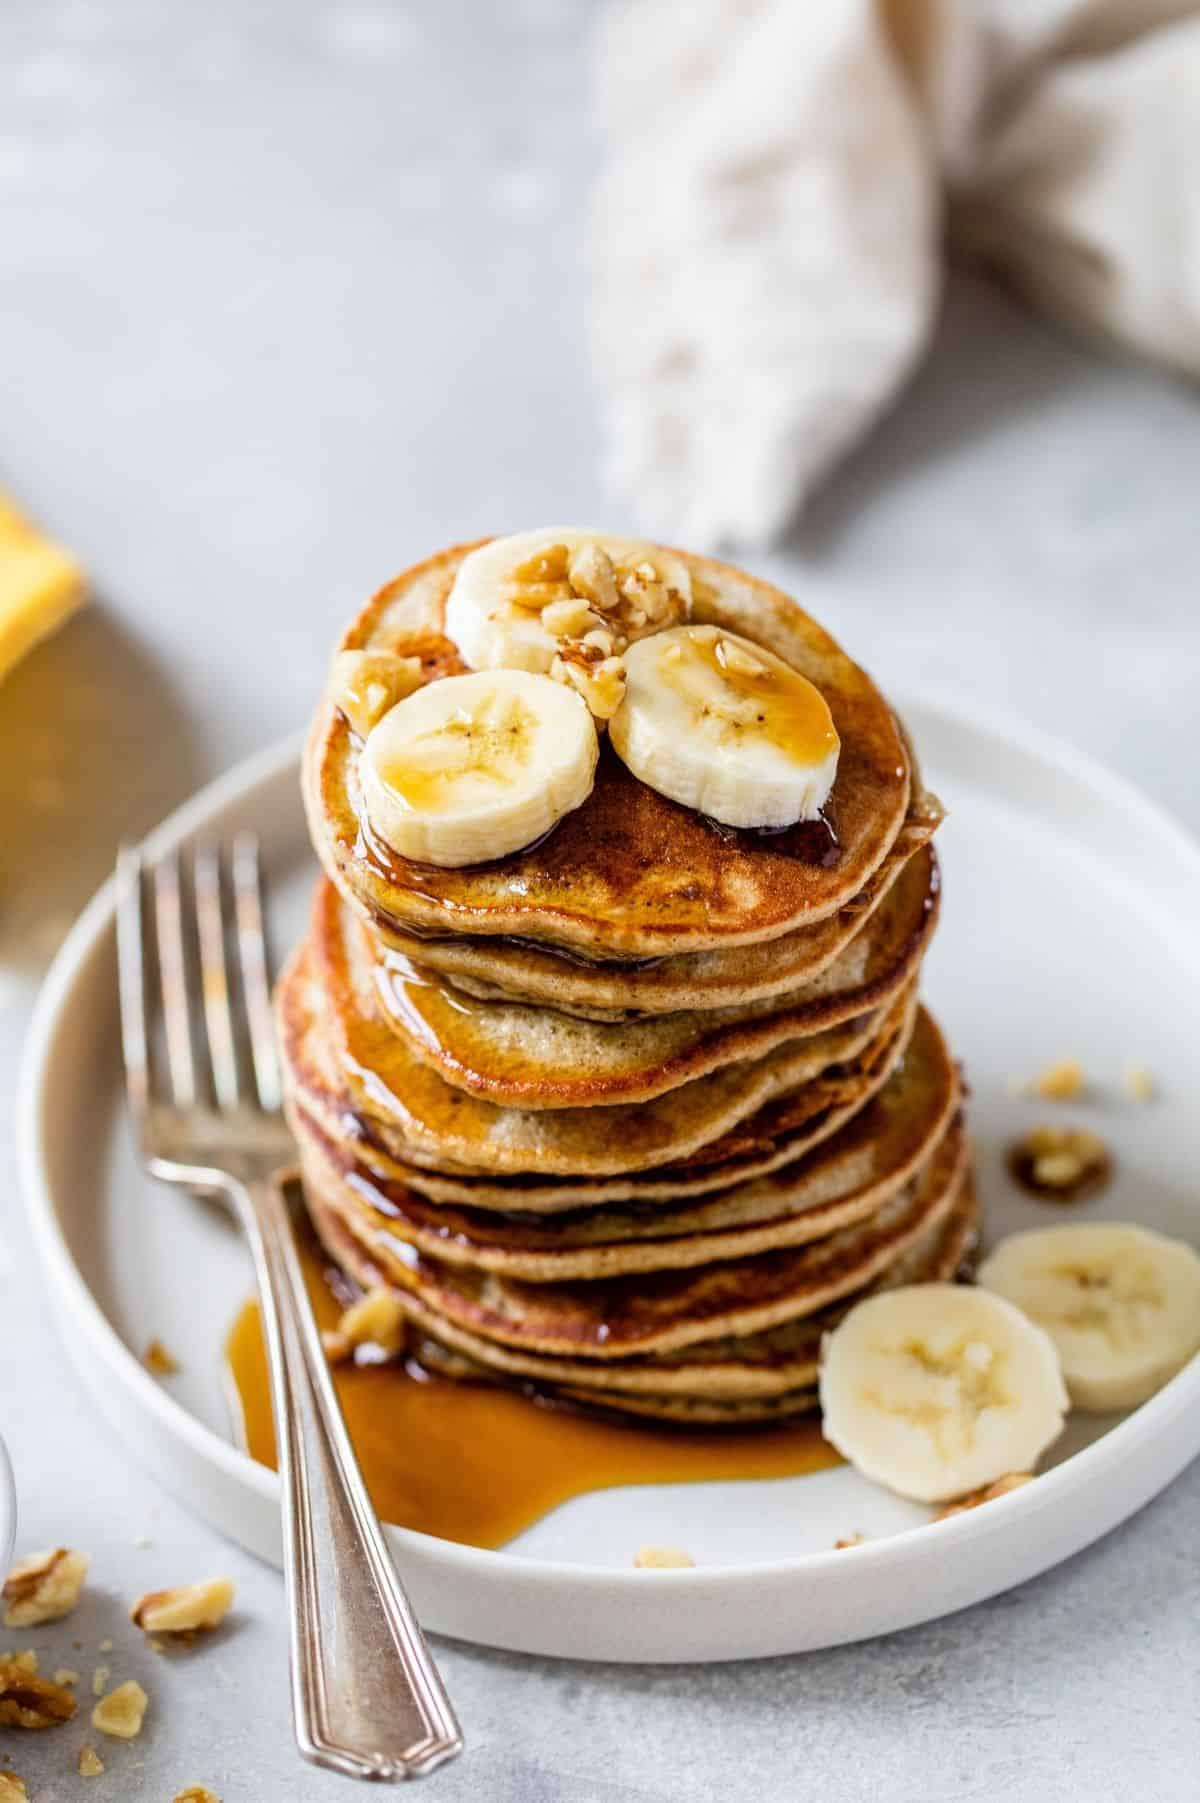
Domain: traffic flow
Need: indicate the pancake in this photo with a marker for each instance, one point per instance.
(620, 1317)
(507, 970)
(336, 1044)
(774, 1362)
(846, 1178)
(780, 1210)
(628, 874)
(534, 1057)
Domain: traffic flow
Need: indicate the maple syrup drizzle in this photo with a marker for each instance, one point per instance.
(790, 710)
(477, 1463)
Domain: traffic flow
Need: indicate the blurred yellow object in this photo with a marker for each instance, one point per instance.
(41, 585)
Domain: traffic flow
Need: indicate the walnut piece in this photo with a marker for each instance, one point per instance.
(601, 683)
(376, 1319)
(662, 1558)
(365, 685)
(157, 1359)
(12, 1788)
(591, 575)
(100, 1678)
(187, 1609)
(196, 1793)
(570, 619)
(65, 1675)
(43, 1587)
(120, 1714)
(1061, 1082)
(1139, 1084)
(737, 659)
(592, 607)
(840, 1546)
(90, 1763)
(1001, 1487)
(1060, 1164)
(27, 1701)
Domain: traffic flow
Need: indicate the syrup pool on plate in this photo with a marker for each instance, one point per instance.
(477, 1463)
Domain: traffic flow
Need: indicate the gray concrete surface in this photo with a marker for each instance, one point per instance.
(290, 293)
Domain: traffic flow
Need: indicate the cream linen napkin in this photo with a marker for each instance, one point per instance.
(781, 176)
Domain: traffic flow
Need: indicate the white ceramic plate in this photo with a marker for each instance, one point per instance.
(1069, 928)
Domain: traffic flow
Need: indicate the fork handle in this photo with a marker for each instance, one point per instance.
(366, 1696)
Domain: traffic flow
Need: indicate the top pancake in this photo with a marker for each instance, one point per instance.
(628, 874)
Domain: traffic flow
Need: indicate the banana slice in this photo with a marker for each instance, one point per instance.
(936, 1389)
(1121, 1303)
(725, 727)
(475, 767)
(516, 599)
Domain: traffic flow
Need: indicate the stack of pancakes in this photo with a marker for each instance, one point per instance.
(631, 1116)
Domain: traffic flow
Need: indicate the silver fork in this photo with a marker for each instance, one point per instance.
(367, 1698)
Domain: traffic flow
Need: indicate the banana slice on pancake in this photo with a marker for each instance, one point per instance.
(516, 599)
(1121, 1303)
(475, 767)
(937, 1389)
(726, 727)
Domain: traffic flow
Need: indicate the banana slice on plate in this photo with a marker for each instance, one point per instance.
(936, 1389)
(515, 599)
(726, 727)
(475, 767)
(1121, 1303)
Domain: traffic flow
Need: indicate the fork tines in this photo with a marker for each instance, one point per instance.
(194, 976)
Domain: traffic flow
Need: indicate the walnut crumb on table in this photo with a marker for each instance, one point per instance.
(120, 1714)
(27, 1701)
(12, 1788)
(196, 1793)
(662, 1558)
(90, 1763)
(43, 1587)
(188, 1609)
(1139, 1084)
(840, 1546)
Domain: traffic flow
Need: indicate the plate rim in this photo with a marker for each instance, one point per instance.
(905, 1549)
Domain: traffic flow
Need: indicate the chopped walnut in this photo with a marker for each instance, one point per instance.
(365, 685)
(1139, 1084)
(26, 1660)
(121, 1713)
(570, 619)
(591, 575)
(376, 1319)
(1060, 1164)
(27, 1701)
(65, 1675)
(156, 1358)
(592, 607)
(663, 1558)
(840, 1546)
(337, 1347)
(1061, 1082)
(601, 684)
(12, 1788)
(43, 1587)
(196, 1793)
(90, 1763)
(1001, 1487)
(738, 659)
(186, 1609)
(100, 1678)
